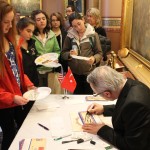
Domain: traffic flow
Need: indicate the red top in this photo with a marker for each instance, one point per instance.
(8, 84)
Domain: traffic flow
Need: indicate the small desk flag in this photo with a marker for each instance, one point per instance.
(69, 83)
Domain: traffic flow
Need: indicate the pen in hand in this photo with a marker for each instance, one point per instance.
(43, 126)
(88, 111)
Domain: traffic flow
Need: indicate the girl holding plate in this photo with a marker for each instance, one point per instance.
(13, 81)
(45, 42)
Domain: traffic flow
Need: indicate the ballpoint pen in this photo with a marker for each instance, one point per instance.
(88, 115)
(78, 141)
(90, 108)
(43, 126)
(61, 137)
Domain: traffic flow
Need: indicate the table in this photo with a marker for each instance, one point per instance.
(30, 128)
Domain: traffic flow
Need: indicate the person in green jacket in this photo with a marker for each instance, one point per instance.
(46, 42)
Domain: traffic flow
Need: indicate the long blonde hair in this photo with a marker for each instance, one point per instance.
(5, 8)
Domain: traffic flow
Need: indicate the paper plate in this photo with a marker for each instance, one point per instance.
(52, 64)
(80, 57)
(46, 58)
(38, 94)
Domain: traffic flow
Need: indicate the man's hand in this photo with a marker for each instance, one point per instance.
(92, 128)
(95, 109)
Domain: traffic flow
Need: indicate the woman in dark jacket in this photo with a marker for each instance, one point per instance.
(25, 28)
(57, 26)
(93, 17)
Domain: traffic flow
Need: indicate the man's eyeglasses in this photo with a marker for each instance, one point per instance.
(97, 94)
(68, 10)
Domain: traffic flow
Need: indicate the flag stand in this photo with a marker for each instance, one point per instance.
(65, 95)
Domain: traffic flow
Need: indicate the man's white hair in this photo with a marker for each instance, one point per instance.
(105, 78)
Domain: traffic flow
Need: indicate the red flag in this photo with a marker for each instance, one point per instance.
(69, 83)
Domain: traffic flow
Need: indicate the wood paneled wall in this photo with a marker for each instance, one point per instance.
(111, 15)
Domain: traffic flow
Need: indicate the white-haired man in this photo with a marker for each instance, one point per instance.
(130, 115)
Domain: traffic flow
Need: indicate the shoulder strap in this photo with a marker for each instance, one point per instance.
(92, 41)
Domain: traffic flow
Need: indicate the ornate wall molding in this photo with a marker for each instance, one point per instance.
(112, 23)
(138, 65)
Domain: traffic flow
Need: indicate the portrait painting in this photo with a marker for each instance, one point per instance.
(86, 117)
(140, 40)
(135, 37)
(25, 7)
(79, 5)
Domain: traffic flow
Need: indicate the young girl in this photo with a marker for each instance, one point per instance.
(46, 42)
(25, 27)
(13, 81)
(78, 42)
(57, 26)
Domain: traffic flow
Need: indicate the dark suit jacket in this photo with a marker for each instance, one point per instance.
(130, 118)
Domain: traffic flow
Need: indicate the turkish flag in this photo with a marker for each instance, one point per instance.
(69, 83)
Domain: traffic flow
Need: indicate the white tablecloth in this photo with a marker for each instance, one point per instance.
(58, 109)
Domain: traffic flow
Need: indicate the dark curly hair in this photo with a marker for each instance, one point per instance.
(47, 28)
(24, 22)
(74, 16)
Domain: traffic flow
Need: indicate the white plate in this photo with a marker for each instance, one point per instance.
(80, 57)
(46, 58)
(52, 64)
(38, 94)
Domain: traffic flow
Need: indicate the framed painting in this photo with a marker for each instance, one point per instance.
(79, 5)
(26, 6)
(86, 118)
(135, 37)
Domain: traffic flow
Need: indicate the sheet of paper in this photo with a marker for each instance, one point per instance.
(44, 105)
(96, 98)
(74, 101)
(77, 122)
(58, 127)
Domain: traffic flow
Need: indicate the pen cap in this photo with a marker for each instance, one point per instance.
(93, 142)
(80, 141)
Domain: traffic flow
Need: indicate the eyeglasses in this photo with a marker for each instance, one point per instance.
(96, 94)
(55, 20)
(68, 10)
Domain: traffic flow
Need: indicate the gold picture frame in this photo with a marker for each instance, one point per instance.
(25, 7)
(133, 58)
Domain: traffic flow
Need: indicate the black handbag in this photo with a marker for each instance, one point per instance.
(105, 45)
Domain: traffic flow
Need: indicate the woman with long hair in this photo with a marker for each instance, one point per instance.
(93, 17)
(13, 81)
(57, 26)
(78, 42)
(45, 42)
(25, 27)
